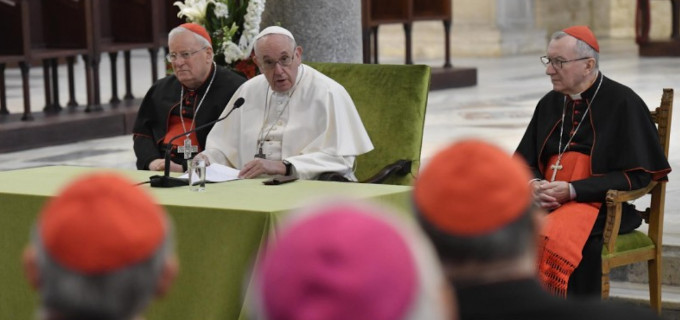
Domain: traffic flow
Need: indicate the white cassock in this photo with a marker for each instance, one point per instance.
(314, 126)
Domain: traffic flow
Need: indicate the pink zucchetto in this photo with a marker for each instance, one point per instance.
(344, 260)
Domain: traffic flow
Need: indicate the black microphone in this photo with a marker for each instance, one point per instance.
(166, 181)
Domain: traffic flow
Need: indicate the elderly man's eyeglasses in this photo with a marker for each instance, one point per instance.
(558, 63)
(271, 64)
(172, 57)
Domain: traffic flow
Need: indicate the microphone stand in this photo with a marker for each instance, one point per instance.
(166, 181)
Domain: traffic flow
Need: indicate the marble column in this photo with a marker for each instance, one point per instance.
(515, 19)
(327, 30)
(495, 28)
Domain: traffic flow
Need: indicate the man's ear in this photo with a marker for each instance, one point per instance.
(256, 61)
(210, 54)
(590, 64)
(298, 52)
(30, 265)
(170, 271)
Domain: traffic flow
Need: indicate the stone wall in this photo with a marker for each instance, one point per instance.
(608, 18)
(327, 30)
(495, 28)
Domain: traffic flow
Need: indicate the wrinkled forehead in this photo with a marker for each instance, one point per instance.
(183, 41)
(274, 45)
(563, 47)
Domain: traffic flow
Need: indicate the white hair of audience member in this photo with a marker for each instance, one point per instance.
(118, 295)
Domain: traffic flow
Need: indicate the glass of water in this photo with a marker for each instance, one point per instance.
(196, 175)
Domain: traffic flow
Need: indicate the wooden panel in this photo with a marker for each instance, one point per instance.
(171, 20)
(63, 23)
(389, 11)
(131, 20)
(167, 21)
(12, 42)
(431, 10)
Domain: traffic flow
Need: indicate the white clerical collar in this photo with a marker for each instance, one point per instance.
(575, 96)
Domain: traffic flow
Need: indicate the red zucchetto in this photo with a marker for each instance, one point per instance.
(472, 188)
(100, 223)
(584, 34)
(197, 29)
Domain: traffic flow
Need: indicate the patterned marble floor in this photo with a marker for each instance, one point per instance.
(497, 109)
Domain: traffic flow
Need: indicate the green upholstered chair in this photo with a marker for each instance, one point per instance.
(623, 249)
(391, 100)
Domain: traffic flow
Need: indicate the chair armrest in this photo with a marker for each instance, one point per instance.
(400, 167)
(332, 176)
(614, 200)
(623, 196)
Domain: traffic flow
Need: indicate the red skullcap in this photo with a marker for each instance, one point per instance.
(339, 263)
(472, 188)
(197, 29)
(100, 223)
(584, 34)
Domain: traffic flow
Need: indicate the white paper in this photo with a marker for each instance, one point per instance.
(216, 172)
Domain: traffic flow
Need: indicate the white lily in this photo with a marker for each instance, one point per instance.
(193, 10)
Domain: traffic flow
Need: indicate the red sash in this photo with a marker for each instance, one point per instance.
(567, 228)
(175, 128)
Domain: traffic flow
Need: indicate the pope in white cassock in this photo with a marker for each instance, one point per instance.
(295, 120)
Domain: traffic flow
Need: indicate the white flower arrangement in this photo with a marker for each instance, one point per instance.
(251, 28)
(193, 10)
(232, 24)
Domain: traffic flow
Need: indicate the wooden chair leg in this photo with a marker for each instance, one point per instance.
(675, 17)
(25, 68)
(3, 92)
(55, 85)
(96, 104)
(447, 44)
(605, 285)
(374, 30)
(113, 57)
(366, 44)
(48, 92)
(153, 52)
(128, 76)
(654, 269)
(71, 82)
(407, 38)
(89, 81)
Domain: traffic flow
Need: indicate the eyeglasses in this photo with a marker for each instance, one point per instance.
(172, 57)
(271, 64)
(557, 63)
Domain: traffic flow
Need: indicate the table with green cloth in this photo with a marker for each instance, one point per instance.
(218, 232)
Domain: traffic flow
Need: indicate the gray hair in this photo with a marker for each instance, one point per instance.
(118, 295)
(177, 30)
(582, 49)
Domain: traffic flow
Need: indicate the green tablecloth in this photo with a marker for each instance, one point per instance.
(218, 233)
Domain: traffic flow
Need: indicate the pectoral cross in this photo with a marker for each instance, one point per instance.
(555, 167)
(260, 154)
(187, 148)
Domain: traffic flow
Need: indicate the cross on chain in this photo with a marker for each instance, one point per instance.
(187, 148)
(555, 167)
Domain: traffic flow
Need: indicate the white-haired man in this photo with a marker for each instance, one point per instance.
(587, 135)
(295, 121)
(195, 94)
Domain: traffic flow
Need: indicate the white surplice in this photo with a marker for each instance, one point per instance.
(314, 126)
